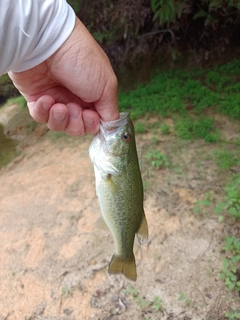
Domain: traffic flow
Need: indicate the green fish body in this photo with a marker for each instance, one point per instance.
(120, 191)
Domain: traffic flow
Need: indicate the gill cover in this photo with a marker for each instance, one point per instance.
(109, 150)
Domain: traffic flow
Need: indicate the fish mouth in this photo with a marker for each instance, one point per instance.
(115, 124)
(109, 129)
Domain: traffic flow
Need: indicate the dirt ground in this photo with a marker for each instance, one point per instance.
(53, 262)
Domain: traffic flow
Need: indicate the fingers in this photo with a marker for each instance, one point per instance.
(79, 121)
(87, 72)
(58, 117)
(39, 109)
(91, 121)
(70, 118)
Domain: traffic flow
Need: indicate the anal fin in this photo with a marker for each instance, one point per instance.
(101, 224)
(142, 233)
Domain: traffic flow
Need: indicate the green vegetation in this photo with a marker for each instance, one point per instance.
(166, 11)
(165, 129)
(75, 4)
(158, 304)
(17, 100)
(182, 92)
(190, 98)
(6, 88)
(232, 315)
(231, 203)
(155, 305)
(183, 298)
(66, 292)
(129, 30)
(226, 159)
(157, 159)
(201, 205)
(202, 127)
(8, 148)
(230, 272)
(140, 127)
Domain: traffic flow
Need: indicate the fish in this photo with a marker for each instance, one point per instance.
(119, 189)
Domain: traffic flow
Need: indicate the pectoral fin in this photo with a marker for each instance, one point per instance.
(142, 233)
(111, 183)
(119, 265)
(101, 224)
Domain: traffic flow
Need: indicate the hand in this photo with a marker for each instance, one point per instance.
(72, 89)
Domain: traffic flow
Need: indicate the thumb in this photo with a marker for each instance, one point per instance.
(107, 105)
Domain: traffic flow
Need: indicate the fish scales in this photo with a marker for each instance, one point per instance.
(120, 192)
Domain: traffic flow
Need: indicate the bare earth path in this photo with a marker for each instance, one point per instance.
(53, 263)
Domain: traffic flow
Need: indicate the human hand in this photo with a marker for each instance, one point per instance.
(72, 89)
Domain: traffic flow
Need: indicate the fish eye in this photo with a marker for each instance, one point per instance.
(126, 136)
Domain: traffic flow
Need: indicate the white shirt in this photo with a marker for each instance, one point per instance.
(31, 31)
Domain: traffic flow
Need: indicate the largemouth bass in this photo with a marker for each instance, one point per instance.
(120, 191)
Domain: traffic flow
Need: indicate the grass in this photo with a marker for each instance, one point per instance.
(153, 306)
(229, 207)
(189, 95)
(17, 100)
(233, 314)
(186, 300)
(195, 128)
(8, 148)
(231, 201)
(165, 129)
(202, 205)
(140, 127)
(66, 292)
(157, 159)
(230, 272)
(226, 159)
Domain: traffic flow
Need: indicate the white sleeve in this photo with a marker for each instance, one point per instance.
(31, 31)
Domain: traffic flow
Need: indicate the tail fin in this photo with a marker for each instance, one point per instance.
(126, 267)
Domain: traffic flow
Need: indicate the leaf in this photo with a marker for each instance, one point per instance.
(181, 296)
(196, 208)
(220, 218)
(233, 277)
(230, 284)
(226, 263)
(229, 240)
(200, 14)
(220, 207)
(234, 212)
(180, 6)
(209, 19)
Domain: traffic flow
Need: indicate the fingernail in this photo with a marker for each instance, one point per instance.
(88, 121)
(46, 106)
(90, 126)
(59, 115)
(74, 111)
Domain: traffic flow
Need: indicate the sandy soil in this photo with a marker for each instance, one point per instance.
(53, 263)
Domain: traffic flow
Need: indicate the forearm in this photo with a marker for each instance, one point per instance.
(31, 31)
